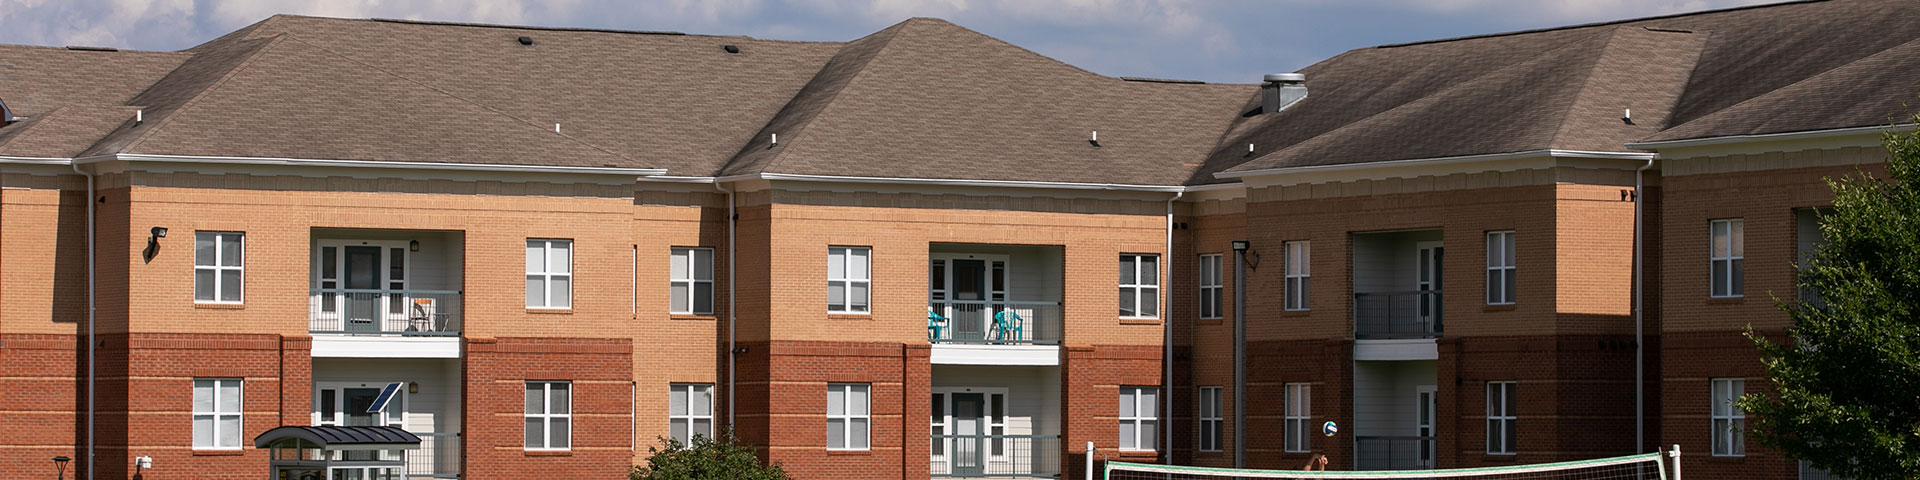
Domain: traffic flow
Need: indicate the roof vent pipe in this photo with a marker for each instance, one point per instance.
(6, 115)
(1280, 90)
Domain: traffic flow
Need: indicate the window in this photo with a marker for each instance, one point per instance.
(1299, 413)
(848, 279)
(1500, 282)
(1501, 407)
(1210, 286)
(218, 272)
(848, 419)
(1138, 424)
(1299, 270)
(549, 415)
(549, 273)
(691, 290)
(690, 411)
(1729, 251)
(1729, 421)
(1139, 286)
(216, 413)
(1210, 419)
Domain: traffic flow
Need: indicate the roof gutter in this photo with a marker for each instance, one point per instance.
(1550, 152)
(1802, 135)
(957, 182)
(307, 162)
(36, 160)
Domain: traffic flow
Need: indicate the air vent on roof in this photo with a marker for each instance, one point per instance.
(526, 40)
(6, 115)
(733, 49)
(92, 49)
(1281, 90)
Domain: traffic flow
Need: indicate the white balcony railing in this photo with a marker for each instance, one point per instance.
(384, 312)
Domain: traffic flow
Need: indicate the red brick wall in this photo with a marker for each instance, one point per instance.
(1093, 376)
(601, 370)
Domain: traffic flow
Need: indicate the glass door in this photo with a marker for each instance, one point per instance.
(1425, 409)
(1427, 281)
(361, 285)
(969, 454)
(968, 289)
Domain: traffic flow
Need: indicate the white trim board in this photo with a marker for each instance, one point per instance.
(349, 346)
(1019, 355)
(1395, 350)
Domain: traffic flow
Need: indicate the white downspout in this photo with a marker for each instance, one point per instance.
(733, 318)
(90, 322)
(1639, 340)
(1166, 327)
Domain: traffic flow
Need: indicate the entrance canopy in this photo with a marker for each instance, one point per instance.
(335, 452)
(337, 438)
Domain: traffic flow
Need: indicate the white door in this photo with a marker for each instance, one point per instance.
(1427, 281)
(967, 289)
(1425, 409)
(361, 285)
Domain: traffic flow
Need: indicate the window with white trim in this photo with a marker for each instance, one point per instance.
(849, 418)
(1728, 254)
(690, 411)
(1139, 422)
(219, 272)
(1298, 415)
(1139, 285)
(549, 415)
(1502, 407)
(1500, 280)
(1210, 286)
(691, 289)
(1729, 421)
(216, 413)
(849, 279)
(549, 273)
(1210, 419)
(1299, 274)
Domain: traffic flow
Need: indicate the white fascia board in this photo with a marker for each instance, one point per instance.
(677, 179)
(351, 346)
(307, 162)
(955, 182)
(37, 160)
(1004, 355)
(1768, 137)
(1555, 153)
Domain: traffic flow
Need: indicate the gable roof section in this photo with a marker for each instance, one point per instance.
(65, 132)
(35, 80)
(1880, 89)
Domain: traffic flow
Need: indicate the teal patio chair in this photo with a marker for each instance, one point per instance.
(1009, 325)
(936, 324)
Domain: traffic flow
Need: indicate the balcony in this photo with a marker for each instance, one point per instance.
(1397, 285)
(995, 456)
(998, 323)
(991, 304)
(384, 312)
(386, 293)
(1393, 453)
(1397, 315)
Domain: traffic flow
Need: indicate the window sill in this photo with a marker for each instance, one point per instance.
(1499, 308)
(849, 316)
(220, 306)
(550, 311)
(1296, 313)
(1210, 321)
(861, 453)
(548, 453)
(1727, 458)
(204, 452)
(1139, 321)
(1502, 457)
(1726, 300)
(692, 317)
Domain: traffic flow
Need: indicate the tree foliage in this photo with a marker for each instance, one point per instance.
(1846, 389)
(722, 458)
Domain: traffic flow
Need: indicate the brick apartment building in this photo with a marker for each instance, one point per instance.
(679, 205)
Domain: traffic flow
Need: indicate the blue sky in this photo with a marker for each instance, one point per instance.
(1219, 40)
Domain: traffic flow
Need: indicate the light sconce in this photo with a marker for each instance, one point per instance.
(153, 243)
(413, 245)
(1251, 258)
(413, 387)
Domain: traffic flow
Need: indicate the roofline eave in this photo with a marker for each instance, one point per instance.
(311, 162)
(1764, 137)
(1549, 152)
(960, 182)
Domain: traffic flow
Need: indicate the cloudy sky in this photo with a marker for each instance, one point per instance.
(1214, 40)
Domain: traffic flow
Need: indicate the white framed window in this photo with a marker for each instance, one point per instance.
(691, 288)
(219, 272)
(849, 279)
(216, 413)
(1501, 409)
(1729, 421)
(1210, 419)
(1500, 280)
(1728, 254)
(1210, 286)
(1139, 286)
(1299, 415)
(549, 273)
(1139, 423)
(849, 419)
(690, 411)
(549, 415)
(1299, 265)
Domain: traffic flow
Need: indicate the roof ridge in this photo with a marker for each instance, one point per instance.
(892, 32)
(1768, 93)
(448, 94)
(197, 96)
(1596, 24)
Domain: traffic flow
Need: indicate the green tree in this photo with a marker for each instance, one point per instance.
(1846, 388)
(722, 458)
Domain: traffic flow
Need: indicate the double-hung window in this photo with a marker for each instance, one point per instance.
(549, 273)
(1139, 424)
(1298, 415)
(1299, 272)
(1501, 409)
(218, 267)
(691, 288)
(1210, 418)
(549, 415)
(1500, 282)
(690, 411)
(216, 413)
(849, 422)
(1210, 286)
(849, 279)
(1139, 286)
(1728, 252)
(1729, 421)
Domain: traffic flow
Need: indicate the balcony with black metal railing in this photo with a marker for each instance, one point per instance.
(1409, 314)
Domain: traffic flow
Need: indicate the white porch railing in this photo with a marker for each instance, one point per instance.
(384, 312)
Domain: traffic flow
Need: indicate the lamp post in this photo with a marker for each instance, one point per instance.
(1240, 353)
(61, 463)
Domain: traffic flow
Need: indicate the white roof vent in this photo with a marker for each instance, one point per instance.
(1281, 90)
(6, 115)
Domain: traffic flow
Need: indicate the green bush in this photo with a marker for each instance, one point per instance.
(722, 458)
